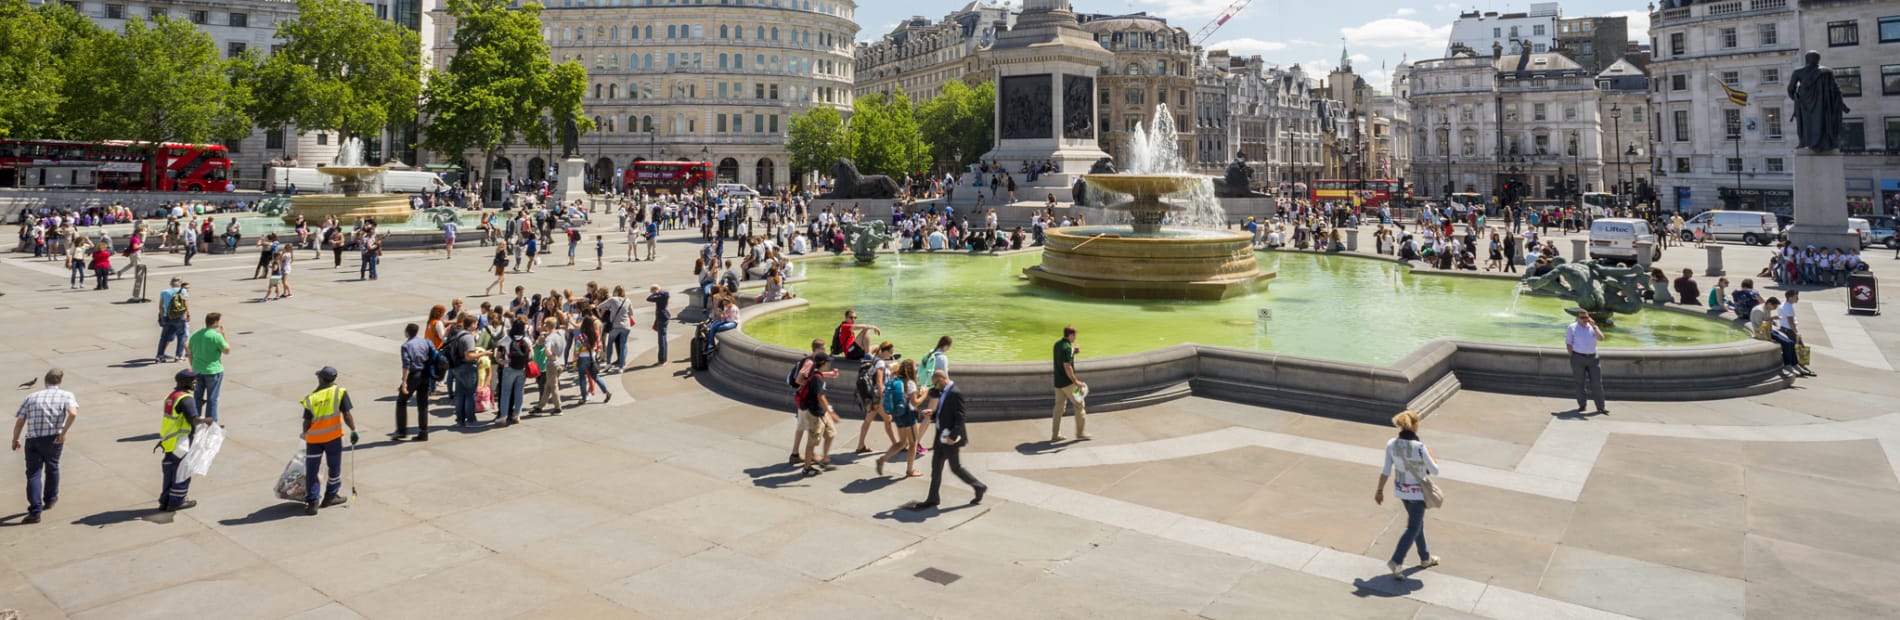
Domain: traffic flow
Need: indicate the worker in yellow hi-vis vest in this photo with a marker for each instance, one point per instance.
(325, 412)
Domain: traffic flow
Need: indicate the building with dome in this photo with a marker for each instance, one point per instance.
(1154, 64)
(711, 80)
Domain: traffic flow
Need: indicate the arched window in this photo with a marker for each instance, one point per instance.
(633, 123)
(646, 123)
(613, 90)
(1133, 69)
(723, 33)
(774, 33)
(633, 32)
(649, 33)
(596, 91)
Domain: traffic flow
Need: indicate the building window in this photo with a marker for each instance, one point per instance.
(1537, 30)
(274, 139)
(1678, 44)
(200, 17)
(1769, 36)
(1134, 96)
(155, 12)
(1848, 78)
(1682, 125)
(1843, 33)
(1734, 164)
(1890, 33)
(1771, 76)
(1853, 134)
(323, 139)
(1678, 82)
(1470, 146)
(1893, 133)
(1890, 79)
(1777, 165)
(1537, 112)
(1570, 112)
(1732, 78)
(1682, 165)
(115, 11)
(1732, 124)
(1772, 118)
(234, 49)
(1729, 38)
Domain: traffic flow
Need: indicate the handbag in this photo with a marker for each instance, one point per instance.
(1434, 497)
(534, 370)
(1801, 353)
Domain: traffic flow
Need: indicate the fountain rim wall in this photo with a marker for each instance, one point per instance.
(752, 370)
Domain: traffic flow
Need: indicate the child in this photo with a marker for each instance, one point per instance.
(600, 252)
(276, 280)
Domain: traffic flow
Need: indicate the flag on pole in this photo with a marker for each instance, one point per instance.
(1734, 96)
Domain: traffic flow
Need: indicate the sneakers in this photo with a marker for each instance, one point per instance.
(793, 459)
(335, 500)
(310, 509)
(1429, 562)
(31, 518)
(1396, 572)
(187, 505)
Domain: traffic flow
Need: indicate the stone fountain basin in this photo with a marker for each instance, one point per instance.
(353, 173)
(1144, 187)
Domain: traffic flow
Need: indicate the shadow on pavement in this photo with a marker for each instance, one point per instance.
(1385, 587)
(114, 517)
(274, 512)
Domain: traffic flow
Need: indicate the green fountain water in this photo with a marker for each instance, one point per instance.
(1327, 307)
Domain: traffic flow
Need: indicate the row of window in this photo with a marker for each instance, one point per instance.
(827, 8)
(1847, 32)
(674, 32)
(726, 90)
(1848, 78)
(1853, 129)
(696, 61)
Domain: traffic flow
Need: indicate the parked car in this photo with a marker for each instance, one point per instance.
(1884, 230)
(1615, 238)
(1750, 227)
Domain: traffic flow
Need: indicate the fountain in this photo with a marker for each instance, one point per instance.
(1145, 259)
(356, 194)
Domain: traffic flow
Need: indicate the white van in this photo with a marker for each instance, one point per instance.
(733, 189)
(410, 182)
(306, 180)
(1615, 238)
(1750, 227)
(1861, 228)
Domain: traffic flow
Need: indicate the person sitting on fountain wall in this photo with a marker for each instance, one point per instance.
(1687, 292)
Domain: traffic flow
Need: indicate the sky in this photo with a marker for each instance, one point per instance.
(1375, 33)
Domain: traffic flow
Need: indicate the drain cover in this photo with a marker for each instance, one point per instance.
(938, 576)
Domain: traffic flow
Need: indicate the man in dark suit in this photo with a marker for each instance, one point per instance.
(950, 441)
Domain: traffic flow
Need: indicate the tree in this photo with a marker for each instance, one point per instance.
(500, 87)
(340, 69)
(36, 47)
(156, 82)
(884, 136)
(957, 124)
(816, 139)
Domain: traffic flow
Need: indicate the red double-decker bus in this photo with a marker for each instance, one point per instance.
(121, 164)
(668, 177)
(1370, 192)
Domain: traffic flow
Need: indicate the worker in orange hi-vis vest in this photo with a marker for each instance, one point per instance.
(325, 412)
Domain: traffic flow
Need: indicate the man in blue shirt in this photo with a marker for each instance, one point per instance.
(415, 383)
(174, 322)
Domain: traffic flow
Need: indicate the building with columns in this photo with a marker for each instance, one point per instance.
(715, 81)
(1153, 65)
(920, 56)
(1708, 153)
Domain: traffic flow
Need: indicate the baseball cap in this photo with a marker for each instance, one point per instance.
(184, 374)
(327, 373)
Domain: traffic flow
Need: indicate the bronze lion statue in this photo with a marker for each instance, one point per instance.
(847, 184)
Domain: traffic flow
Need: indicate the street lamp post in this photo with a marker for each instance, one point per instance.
(1616, 122)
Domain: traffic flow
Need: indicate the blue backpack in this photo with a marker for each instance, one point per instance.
(894, 402)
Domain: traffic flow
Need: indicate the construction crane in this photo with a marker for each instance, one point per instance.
(1221, 20)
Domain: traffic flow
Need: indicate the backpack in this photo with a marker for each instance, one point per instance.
(867, 380)
(791, 378)
(930, 365)
(454, 349)
(837, 342)
(894, 396)
(518, 353)
(178, 308)
(573, 236)
(438, 363)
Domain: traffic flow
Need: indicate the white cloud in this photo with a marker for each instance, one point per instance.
(873, 35)
(1638, 22)
(1301, 42)
(1186, 9)
(1447, 6)
(1360, 58)
(1242, 47)
(1394, 32)
(1406, 11)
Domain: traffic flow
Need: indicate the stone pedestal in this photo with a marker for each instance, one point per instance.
(1820, 202)
(1715, 260)
(1579, 250)
(1644, 251)
(1352, 239)
(573, 180)
(1045, 70)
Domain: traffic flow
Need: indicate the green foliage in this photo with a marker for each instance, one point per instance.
(158, 81)
(339, 69)
(817, 138)
(36, 46)
(958, 124)
(885, 138)
(499, 86)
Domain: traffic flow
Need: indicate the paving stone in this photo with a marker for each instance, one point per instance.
(1639, 588)
(1268, 592)
(715, 583)
(364, 564)
(1790, 580)
(489, 587)
(252, 592)
(606, 552)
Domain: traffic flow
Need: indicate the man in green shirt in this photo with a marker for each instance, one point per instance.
(207, 349)
(1066, 387)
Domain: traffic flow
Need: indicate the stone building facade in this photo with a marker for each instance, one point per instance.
(705, 82)
(1153, 64)
(1709, 154)
(920, 56)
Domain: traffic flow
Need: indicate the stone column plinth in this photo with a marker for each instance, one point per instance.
(1579, 249)
(1644, 251)
(1352, 239)
(1715, 259)
(1820, 202)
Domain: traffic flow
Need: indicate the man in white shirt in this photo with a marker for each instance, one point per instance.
(1581, 340)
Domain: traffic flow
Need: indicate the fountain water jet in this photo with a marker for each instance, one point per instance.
(356, 193)
(1146, 260)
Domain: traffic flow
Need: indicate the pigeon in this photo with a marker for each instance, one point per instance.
(30, 383)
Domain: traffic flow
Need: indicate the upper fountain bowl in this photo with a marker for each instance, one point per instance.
(1144, 186)
(353, 173)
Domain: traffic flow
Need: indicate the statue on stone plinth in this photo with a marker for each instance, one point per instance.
(1239, 180)
(1818, 106)
(570, 136)
(848, 184)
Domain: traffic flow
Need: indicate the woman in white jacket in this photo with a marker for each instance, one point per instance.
(1408, 456)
